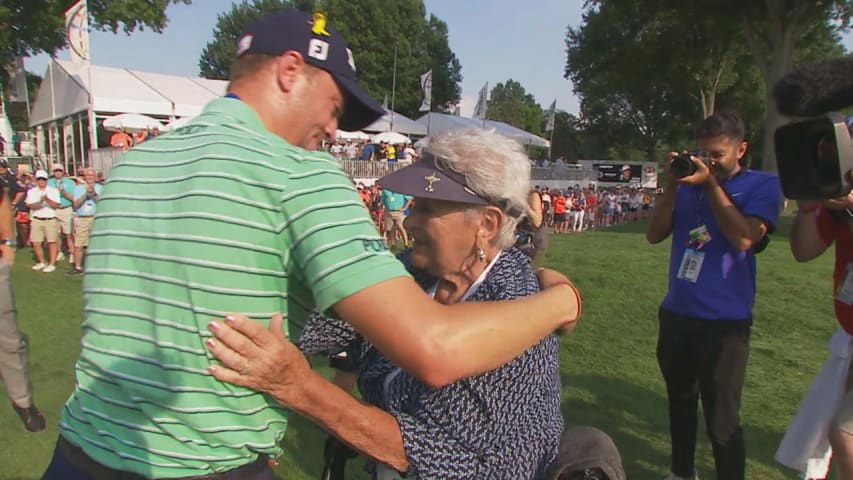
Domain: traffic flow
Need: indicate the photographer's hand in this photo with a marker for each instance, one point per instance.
(702, 176)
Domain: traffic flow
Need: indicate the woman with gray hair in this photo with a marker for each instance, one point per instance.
(470, 189)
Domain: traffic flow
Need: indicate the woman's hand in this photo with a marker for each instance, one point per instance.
(258, 358)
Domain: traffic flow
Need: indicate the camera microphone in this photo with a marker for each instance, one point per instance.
(816, 89)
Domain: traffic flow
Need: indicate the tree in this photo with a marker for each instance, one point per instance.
(372, 30)
(510, 103)
(29, 27)
(774, 31)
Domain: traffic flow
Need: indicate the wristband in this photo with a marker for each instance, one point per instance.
(577, 298)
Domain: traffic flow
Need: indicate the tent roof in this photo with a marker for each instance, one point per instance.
(443, 122)
(402, 124)
(66, 86)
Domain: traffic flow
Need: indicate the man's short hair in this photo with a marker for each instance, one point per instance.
(727, 124)
(248, 65)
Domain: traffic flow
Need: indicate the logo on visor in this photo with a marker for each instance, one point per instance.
(430, 180)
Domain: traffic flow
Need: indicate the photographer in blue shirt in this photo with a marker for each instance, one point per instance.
(718, 214)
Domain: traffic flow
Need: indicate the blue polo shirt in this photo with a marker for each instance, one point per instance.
(725, 286)
(393, 201)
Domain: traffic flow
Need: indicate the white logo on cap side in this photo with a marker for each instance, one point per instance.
(318, 49)
(350, 59)
(244, 44)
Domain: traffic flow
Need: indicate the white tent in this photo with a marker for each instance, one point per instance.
(400, 124)
(357, 135)
(132, 123)
(442, 122)
(393, 138)
(60, 113)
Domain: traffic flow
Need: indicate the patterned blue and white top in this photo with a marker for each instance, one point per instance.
(503, 424)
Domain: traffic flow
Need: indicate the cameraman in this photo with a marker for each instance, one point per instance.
(717, 216)
(816, 227)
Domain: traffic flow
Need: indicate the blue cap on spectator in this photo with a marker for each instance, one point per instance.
(320, 46)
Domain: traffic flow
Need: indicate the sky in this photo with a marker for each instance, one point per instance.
(495, 40)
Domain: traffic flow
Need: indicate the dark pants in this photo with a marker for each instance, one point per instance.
(704, 359)
(70, 463)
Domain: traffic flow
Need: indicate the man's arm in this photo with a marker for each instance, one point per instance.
(440, 344)
(7, 229)
(660, 220)
(51, 202)
(806, 241)
(740, 230)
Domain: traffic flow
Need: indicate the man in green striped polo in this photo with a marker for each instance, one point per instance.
(236, 212)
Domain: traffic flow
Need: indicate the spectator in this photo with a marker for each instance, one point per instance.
(120, 139)
(2, 145)
(85, 205)
(368, 152)
(718, 219)
(43, 201)
(22, 213)
(395, 204)
(13, 345)
(65, 212)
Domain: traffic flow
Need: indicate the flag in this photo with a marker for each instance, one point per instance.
(552, 112)
(482, 102)
(385, 102)
(77, 32)
(426, 86)
(17, 81)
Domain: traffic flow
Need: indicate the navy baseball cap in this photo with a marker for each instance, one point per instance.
(430, 178)
(322, 47)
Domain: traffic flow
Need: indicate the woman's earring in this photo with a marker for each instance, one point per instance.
(481, 254)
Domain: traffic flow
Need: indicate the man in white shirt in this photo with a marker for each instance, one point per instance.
(410, 155)
(43, 202)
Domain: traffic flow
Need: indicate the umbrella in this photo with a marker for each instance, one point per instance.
(177, 123)
(342, 135)
(391, 137)
(132, 123)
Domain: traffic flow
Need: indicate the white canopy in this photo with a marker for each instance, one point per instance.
(66, 86)
(132, 122)
(443, 122)
(360, 136)
(393, 138)
(401, 124)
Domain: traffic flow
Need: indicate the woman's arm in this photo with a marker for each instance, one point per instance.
(268, 362)
(534, 209)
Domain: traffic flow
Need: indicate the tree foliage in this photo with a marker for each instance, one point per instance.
(646, 71)
(372, 29)
(29, 27)
(510, 103)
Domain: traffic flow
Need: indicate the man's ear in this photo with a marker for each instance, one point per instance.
(288, 67)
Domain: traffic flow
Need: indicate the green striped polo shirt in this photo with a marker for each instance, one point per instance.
(218, 216)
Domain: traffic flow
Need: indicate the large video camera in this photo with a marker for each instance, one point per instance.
(815, 155)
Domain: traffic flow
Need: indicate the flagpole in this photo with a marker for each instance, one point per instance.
(393, 87)
(93, 126)
(551, 144)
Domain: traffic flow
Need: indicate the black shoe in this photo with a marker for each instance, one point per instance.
(74, 271)
(31, 417)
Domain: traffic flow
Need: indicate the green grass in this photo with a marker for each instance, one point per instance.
(609, 371)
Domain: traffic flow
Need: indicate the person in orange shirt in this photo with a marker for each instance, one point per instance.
(121, 140)
(561, 223)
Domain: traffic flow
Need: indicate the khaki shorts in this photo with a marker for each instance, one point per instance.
(82, 230)
(64, 217)
(843, 418)
(392, 219)
(42, 230)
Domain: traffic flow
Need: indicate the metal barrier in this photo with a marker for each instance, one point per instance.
(103, 159)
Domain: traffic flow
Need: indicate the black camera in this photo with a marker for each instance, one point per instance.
(814, 157)
(682, 166)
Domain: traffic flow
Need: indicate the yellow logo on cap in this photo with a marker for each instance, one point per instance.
(318, 26)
